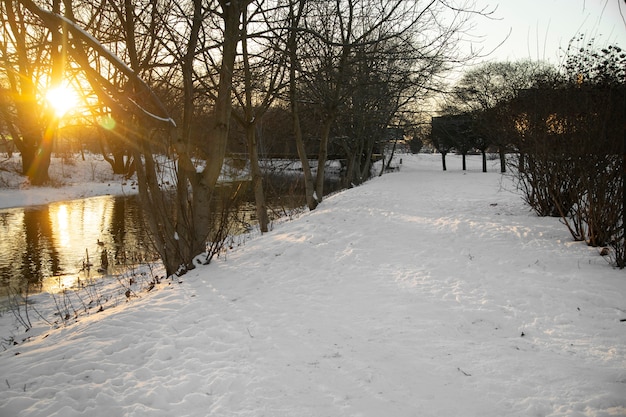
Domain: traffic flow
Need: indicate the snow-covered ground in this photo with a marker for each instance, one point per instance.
(72, 178)
(420, 293)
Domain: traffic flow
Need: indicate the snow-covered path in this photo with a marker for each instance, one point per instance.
(421, 293)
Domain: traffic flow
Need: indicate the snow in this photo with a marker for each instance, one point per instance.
(152, 115)
(73, 178)
(420, 293)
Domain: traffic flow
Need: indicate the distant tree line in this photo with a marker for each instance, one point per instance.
(564, 131)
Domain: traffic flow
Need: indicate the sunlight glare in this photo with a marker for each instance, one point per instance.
(62, 99)
(107, 122)
(63, 224)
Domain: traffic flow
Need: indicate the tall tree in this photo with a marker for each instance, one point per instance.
(260, 84)
(356, 45)
(185, 237)
(180, 225)
(297, 9)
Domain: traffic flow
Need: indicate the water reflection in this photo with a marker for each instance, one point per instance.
(51, 247)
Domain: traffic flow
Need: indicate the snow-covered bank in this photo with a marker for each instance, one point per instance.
(421, 293)
(73, 178)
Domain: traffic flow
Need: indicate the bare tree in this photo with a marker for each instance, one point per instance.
(297, 9)
(185, 237)
(360, 54)
(164, 71)
(263, 79)
(182, 225)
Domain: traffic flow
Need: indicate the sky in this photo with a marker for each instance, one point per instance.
(539, 27)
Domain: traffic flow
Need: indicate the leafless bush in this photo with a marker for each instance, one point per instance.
(546, 184)
(570, 161)
(226, 217)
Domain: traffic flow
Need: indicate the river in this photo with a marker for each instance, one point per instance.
(54, 246)
(49, 247)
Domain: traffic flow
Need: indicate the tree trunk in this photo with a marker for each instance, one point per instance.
(387, 166)
(443, 160)
(366, 151)
(292, 44)
(36, 150)
(250, 125)
(34, 141)
(257, 180)
(38, 171)
(502, 160)
(484, 154)
(214, 146)
(322, 157)
(117, 155)
(309, 189)
(159, 214)
(350, 169)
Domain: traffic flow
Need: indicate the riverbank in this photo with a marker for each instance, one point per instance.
(421, 292)
(72, 178)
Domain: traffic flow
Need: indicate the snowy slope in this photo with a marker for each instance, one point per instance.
(72, 179)
(421, 293)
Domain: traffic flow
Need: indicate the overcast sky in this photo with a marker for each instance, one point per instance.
(538, 27)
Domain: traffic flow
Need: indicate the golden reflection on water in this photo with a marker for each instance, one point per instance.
(11, 236)
(81, 224)
(55, 285)
(47, 248)
(62, 225)
(77, 228)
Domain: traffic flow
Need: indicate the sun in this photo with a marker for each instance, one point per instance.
(62, 99)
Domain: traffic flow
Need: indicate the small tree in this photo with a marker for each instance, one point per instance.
(442, 137)
(415, 144)
(483, 89)
(454, 131)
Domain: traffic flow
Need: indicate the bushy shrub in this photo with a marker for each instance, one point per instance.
(570, 142)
